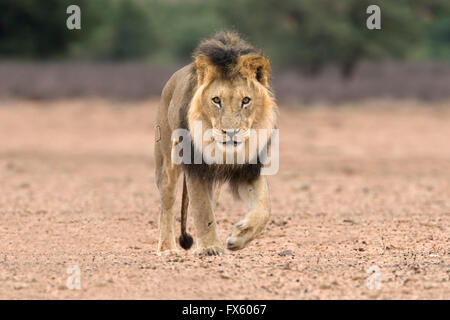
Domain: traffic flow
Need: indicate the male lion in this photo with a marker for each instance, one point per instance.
(226, 90)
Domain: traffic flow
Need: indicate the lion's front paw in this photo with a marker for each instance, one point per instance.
(242, 234)
(209, 251)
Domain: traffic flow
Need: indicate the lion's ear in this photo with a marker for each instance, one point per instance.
(255, 66)
(204, 68)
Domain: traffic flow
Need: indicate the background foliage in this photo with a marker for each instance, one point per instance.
(307, 35)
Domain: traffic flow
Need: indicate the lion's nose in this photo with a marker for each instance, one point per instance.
(231, 133)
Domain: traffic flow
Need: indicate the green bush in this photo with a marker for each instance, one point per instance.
(305, 34)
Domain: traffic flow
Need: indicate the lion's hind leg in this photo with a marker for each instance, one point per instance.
(166, 179)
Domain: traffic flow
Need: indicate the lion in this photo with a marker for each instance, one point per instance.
(226, 90)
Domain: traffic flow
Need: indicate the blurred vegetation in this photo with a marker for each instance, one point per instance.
(307, 35)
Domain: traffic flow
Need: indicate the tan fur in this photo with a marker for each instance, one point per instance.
(191, 89)
(205, 71)
(252, 64)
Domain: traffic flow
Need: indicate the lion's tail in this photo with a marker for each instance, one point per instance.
(185, 238)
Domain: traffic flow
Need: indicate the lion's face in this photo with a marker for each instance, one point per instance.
(230, 107)
(231, 113)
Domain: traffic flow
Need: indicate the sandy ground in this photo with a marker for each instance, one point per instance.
(359, 186)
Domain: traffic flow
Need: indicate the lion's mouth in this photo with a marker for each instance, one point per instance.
(233, 139)
(231, 143)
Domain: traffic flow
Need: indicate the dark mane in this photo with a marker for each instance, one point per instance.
(235, 174)
(224, 49)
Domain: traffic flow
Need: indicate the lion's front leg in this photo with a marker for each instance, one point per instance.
(201, 205)
(256, 195)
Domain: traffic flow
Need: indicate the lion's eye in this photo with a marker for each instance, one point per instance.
(216, 100)
(246, 100)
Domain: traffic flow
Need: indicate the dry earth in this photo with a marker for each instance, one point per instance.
(361, 185)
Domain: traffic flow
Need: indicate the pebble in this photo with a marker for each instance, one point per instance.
(286, 253)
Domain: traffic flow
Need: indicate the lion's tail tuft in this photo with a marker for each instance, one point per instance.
(185, 239)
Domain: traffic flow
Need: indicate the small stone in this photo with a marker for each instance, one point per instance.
(303, 187)
(20, 286)
(286, 253)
